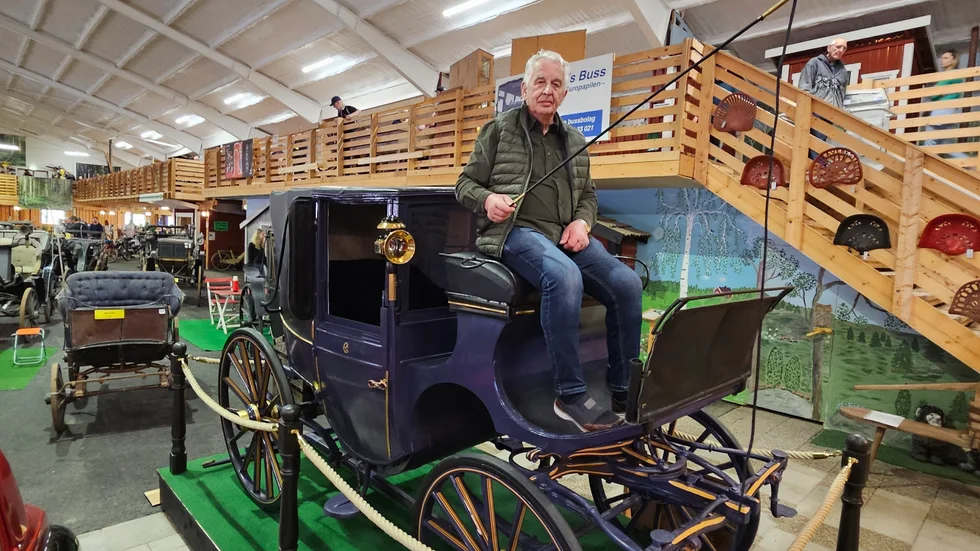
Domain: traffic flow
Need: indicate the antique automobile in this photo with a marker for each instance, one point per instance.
(23, 288)
(176, 250)
(118, 326)
(403, 347)
(24, 527)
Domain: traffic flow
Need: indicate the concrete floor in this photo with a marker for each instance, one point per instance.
(92, 478)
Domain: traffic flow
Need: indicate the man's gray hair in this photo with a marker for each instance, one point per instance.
(545, 55)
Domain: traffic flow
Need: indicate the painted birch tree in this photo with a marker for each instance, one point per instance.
(684, 212)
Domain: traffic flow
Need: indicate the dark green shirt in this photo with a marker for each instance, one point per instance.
(547, 209)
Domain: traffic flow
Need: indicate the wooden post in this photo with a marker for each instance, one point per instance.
(373, 167)
(340, 148)
(311, 153)
(411, 138)
(705, 108)
(288, 501)
(797, 171)
(908, 234)
(849, 532)
(268, 149)
(458, 140)
(178, 428)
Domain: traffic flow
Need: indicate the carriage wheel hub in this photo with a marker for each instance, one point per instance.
(250, 412)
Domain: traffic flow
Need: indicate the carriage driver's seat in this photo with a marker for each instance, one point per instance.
(26, 259)
(479, 284)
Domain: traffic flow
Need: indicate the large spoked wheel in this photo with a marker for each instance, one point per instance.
(472, 501)
(253, 384)
(652, 514)
(57, 400)
(246, 311)
(29, 308)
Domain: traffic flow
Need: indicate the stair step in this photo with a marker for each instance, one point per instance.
(962, 320)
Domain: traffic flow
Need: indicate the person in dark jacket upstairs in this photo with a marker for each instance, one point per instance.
(826, 78)
(545, 237)
(343, 111)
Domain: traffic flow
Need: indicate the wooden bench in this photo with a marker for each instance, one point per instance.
(953, 436)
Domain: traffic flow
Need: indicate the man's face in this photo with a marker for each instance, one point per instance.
(836, 49)
(547, 89)
(339, 105)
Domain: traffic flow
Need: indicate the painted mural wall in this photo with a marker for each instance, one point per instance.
(819, 342)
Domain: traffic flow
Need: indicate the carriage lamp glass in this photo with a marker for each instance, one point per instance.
(398, 246)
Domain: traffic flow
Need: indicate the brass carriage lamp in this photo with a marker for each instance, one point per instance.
(395, 243)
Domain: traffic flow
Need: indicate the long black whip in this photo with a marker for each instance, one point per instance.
(486, 224)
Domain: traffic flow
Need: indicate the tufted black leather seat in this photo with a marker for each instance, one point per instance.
(119, 289)
(474, 275)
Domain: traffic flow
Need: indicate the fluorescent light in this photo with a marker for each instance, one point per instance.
(233, 99)
(317, 65)
(460, 8)
(189, 120)
(102, 212)
(164, 208)
(76, 153)
(124, 145)
(112, 213)
(284, 116)
(9, 147)
(165, 144)
(151, 134)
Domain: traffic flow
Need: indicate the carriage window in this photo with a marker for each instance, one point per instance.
(437, 228)
(356, 274)
(302, 256)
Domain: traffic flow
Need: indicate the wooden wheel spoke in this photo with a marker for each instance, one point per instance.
(257, 467)
(249, 454)
(249, 370)
(515, 531)
(439, 528)
(487, 489)
(270, 460)
(234, 439)
(264, 375)
(238, 392)
(458, 525)
(464, 496)
(246, 378)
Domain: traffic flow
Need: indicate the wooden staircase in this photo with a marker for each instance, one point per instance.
(903, 185)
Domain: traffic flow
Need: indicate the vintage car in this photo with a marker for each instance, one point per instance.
(24, 527)
(176, 250)
(403, 346)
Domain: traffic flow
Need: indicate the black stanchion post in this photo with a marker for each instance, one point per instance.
(178, 430)
(849, 533)
(288, 501)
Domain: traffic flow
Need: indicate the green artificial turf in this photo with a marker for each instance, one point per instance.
(215, 498)
(895, 456)
(16, 377)
(202, 334)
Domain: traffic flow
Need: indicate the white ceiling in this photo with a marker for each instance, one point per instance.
(94, 69)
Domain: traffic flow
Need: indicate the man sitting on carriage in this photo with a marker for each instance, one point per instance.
(544, 237)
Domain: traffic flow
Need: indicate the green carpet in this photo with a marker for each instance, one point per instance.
(203, 335)
(896, 456)
(216, 500)
(16, 377)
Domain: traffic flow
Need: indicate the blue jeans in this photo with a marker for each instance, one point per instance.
(819, 136)
(562, 276)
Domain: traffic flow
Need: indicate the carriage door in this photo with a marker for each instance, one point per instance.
(350, 354)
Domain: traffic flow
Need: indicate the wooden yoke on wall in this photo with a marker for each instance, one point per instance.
(570, 45)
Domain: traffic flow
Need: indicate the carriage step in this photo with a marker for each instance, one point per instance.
(779, 510)
(340, 507)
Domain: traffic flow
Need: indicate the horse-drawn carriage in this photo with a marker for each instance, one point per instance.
(23, 286)
(118, 325)
(414, 348)
(176, 250)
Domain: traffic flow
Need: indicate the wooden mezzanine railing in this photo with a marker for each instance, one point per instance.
(180, 179)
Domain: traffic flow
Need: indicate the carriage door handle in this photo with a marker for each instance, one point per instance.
(378, 385)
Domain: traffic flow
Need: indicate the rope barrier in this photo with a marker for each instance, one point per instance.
(205, 360)
(764, 453)
(208, 401)
(836, 489)
(370, 512)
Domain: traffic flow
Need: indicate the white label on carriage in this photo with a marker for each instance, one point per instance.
(162, 311)
(110, 314)
(187, 244)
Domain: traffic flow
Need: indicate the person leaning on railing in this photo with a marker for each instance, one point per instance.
(825, 77)
(948, 62)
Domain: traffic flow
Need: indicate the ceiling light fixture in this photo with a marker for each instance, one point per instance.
(321, 63)
(189, 120)
(76, 153)
(232, 99)
(112, 213)
(124, 145)
(465, 6)
(9, 147)
(151, 134)
(164, 208)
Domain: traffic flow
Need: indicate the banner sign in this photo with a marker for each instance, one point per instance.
(150, 197)
(586, 107)
(44, 193)
(238, 159)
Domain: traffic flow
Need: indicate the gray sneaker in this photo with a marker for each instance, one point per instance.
(587, 414)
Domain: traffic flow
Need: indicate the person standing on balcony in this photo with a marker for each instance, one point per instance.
(545, 236)
(826, 78)
(949, 61)
(345, 112)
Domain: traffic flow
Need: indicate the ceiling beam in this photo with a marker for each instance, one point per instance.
(187, 140)
(688, 4)
(302, 105)
(158, 153)
(653, 17)
(60, 141)
(90, 26)
(778, 25)
(407, 64)
(238, 128)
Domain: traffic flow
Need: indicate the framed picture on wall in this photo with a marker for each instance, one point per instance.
(13, 149)
(84, 170)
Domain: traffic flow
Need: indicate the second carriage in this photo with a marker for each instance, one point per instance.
(402, 346)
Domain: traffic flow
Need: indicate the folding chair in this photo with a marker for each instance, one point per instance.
(27, 333)
(215, 284)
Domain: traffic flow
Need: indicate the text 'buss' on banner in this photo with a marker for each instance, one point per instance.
(586, 107)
